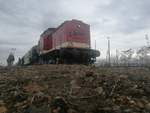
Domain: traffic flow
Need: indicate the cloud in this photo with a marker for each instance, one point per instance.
(22, 21)
(125, 16)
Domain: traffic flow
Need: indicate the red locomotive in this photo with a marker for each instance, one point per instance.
(69, 43)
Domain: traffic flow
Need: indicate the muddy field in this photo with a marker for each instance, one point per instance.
(74, 89)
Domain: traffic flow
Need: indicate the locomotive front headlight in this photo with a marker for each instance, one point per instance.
(79, 25)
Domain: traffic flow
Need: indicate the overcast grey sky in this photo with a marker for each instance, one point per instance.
(22, 21)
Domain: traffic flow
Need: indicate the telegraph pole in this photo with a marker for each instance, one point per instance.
(108, 51)
(95, 44)
(95, 49)
(117, 57)
(147, 39)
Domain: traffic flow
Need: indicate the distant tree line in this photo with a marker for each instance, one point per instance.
(130, 57)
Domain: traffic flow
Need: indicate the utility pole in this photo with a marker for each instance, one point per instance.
(147, 39)
(117, 57)
(108, 51)
(95, 44)
(95, 49)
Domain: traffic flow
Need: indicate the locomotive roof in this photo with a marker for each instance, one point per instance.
(55, 29)
(66, 22)
(47, 30)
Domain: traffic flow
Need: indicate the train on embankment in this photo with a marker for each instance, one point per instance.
(69, 43)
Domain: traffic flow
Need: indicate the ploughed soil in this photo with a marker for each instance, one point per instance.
(74, 89)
